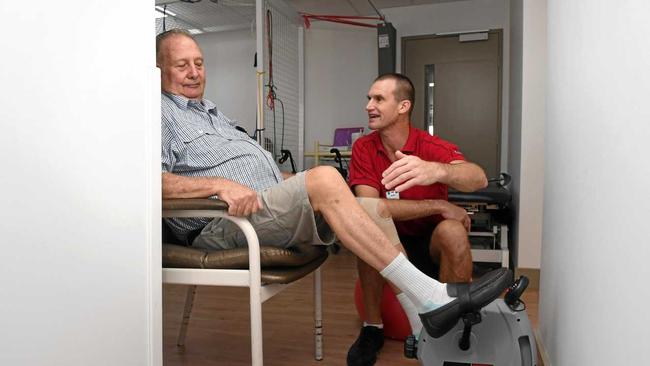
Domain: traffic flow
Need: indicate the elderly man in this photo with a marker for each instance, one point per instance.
(203, 155)
(410, 170)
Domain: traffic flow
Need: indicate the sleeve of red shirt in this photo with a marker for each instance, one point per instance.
(361, 166)
(452, 151)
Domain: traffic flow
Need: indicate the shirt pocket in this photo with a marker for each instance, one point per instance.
(201, 149)
(191, 134)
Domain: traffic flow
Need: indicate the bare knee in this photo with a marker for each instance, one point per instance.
(325, 186)
(325, 171)
(450, 236)
(325, 175)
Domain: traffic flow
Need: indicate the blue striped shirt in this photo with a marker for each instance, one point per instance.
(200, 141)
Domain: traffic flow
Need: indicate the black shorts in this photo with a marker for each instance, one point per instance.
(417, 249)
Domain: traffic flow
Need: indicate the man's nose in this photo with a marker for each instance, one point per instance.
(369, 105)
(193, 72)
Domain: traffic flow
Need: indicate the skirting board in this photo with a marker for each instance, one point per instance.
(532, 274)
(541, 349)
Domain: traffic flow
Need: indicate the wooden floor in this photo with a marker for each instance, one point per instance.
(219, 328)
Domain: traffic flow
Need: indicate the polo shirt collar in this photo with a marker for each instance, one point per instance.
(411, 142)
(409, 147)
(184, 103)
(379, 147)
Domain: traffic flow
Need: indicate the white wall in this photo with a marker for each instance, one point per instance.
(230, 73)
(527, 118)
(340, 65)
(79, 193)
(593, 299)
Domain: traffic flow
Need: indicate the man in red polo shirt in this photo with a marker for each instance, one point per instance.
(411, 170)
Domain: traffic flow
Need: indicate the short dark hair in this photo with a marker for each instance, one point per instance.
(167, 34)
(404, 89)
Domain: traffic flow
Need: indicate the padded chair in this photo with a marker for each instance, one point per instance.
(265, 270)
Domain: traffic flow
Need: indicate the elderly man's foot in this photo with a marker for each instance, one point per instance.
(364, 350)
(466, 298)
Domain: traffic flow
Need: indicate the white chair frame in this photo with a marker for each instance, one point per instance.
(250, 278)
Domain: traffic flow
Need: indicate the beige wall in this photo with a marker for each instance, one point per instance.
(527, 120)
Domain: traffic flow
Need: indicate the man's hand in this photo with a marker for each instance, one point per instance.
(242, 201)
(452, 212)
(409, 171)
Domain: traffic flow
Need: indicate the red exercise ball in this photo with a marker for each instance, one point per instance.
(396, 324)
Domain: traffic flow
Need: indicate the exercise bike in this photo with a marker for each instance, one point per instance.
(499, 334)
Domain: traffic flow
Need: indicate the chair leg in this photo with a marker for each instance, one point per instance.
(318, 316)
(189, 302)
(257, 358)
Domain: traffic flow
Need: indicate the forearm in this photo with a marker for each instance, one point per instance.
(176, 186)
(465, 177)
(403, 210)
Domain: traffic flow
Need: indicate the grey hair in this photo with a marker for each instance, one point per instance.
(167, 34)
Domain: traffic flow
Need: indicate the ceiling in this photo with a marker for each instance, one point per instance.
(223, 15)
(354, 7)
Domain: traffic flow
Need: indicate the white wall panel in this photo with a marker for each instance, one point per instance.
(78, 198)
(593, 296)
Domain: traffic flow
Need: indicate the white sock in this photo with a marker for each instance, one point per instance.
(379, 325)
(426, 293)
(411, 313)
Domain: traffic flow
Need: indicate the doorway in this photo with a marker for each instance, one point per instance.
(457, 80)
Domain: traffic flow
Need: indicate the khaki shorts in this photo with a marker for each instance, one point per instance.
(285, 219)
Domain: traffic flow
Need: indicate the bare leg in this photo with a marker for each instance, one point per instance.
(450, 247)
(329, 195)
(366, 347)
(372, 285)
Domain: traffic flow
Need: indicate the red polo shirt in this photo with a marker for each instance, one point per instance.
(369, 161)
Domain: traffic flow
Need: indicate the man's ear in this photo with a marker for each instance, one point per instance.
(404, 106)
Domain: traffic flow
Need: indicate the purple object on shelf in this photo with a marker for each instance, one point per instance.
(343, 136)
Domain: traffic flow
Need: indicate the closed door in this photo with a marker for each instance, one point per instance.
(457, 82)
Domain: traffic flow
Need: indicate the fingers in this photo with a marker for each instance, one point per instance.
(243, 205)
(401, 178)
(251, 205)
(254, 205)
(242, 201)
(407, 172)
(390, 171)
(399, 172)
(410, 183)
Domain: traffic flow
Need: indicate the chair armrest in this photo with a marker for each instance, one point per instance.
(204, 207)
(283, 265)
(194, 204)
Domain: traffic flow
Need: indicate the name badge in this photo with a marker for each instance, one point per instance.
(392, 195)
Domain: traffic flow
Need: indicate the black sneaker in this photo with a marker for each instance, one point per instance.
(364, 350)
